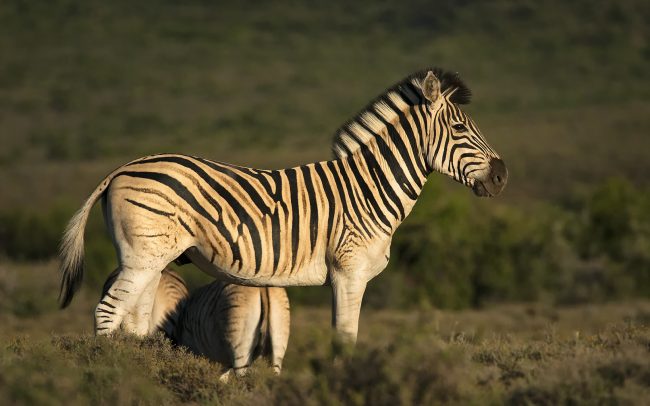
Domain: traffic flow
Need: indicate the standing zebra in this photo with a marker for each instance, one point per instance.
(229, 324)
(323, 223)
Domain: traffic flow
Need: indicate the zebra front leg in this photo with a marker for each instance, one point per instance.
(279, 325)
(347, 296)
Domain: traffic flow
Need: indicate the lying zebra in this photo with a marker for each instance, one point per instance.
(227, 323)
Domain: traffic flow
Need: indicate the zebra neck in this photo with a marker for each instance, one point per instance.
(389, 179)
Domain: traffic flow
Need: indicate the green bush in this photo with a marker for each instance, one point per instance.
(31, 235)
(454, 251)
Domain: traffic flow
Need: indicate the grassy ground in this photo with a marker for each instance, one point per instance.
(513, 354)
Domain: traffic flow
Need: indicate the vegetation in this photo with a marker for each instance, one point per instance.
(85, 86)
(423, 367)
(453, 252)
(560, 90)
(514, 354)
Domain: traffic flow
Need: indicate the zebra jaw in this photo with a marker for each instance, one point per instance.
(479, 189)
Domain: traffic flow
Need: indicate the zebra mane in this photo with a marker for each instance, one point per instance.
(351, 135)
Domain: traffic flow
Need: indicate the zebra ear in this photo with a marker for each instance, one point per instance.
(431, 87)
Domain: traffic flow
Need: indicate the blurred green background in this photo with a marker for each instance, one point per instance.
(561, 91)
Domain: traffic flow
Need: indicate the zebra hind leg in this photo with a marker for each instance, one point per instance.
(120, 303)
(240, 308)
(140, 319)
(225, 377)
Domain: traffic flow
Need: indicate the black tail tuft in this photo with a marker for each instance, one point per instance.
(70, 283)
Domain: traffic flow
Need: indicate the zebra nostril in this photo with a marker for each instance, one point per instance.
(498, 173)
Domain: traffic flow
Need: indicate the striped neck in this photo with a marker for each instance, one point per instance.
(389, 170)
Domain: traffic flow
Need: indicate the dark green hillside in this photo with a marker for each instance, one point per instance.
(97, 81)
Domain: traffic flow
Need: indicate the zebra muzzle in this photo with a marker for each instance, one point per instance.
(494, 182)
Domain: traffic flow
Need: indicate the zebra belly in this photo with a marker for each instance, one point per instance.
(310, 274)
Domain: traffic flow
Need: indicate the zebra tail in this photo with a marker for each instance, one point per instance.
(71, 250)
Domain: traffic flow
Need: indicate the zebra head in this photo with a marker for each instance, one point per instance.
(453, 144)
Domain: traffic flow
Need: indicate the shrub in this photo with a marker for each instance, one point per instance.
(453, 251)
(31, 235)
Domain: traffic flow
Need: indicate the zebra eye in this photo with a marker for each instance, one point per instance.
(460, 127)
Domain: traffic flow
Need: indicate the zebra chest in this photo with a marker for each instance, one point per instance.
(367, 260)
(378, 255)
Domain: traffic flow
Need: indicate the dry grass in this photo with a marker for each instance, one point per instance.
(514, 354)
(406, 360)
